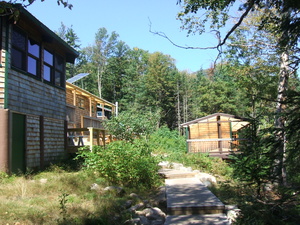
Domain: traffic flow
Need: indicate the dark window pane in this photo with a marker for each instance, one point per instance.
(58, 78)
(17, 59)
(47, 73)
(32, 65)
(18, 40)
(33, 48)
(59, 63)
(48, 57)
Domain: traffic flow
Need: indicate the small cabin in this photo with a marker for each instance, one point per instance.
(86, 113)
(215, 134)
(32, 92)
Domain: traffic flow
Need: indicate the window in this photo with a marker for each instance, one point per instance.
(54, 67)
(33, 58)
(26, 56)
(80, 103)
(25, 53)
(48, 66)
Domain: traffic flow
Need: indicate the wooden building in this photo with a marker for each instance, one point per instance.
(85, 115)
(32, 92)
(215, 134)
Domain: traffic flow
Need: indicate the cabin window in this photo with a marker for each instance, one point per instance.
(26, 56)
(59, 71)
(18, 49)
(80, 103)
(48, 66)
(54, 68)
(25, 53)
(33, 59)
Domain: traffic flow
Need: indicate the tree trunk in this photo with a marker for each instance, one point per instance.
(178, 107)
(280, 167)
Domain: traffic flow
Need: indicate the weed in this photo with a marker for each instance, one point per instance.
(63, 199)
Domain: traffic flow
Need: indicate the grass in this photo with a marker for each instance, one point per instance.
(57, 196)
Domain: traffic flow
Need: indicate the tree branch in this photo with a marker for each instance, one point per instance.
(220, 41)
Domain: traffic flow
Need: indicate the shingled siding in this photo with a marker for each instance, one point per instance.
(29, 96)
(53, 140)
(33, 141)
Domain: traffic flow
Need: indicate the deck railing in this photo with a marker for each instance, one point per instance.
(87, 121)
(90, 136)
(212, 145)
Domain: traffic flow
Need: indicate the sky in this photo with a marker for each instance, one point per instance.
(131, 19)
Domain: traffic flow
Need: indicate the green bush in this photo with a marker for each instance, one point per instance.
(165, 141)
(123, 163)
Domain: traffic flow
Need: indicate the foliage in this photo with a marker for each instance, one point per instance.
(171, 146)
(253, 164)
(129, 125)
(293, 146)
(166, 141)
(123, 163)
(42, 199)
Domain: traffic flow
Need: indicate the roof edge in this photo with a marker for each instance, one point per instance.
(212, 115)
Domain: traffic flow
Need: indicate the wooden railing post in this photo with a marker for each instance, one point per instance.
(91, 130)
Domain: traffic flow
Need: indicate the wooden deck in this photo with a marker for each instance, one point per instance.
(90, 136)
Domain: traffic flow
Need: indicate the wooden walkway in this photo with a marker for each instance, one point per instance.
(190, 202)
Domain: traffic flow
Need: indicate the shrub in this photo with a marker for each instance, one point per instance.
(166, 141)
(123, 163)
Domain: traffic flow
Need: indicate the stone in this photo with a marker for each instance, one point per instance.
(136, 207)
(95, 186)
(134, 221)
(134, 195)
(176, 166)
(43, 181)
(232, 213)
(118, 190)
(164, 164)
(206, 179)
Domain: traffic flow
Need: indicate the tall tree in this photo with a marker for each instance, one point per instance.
(160, 87)
(283, 15)
(97, 55)
(114, 73)
(69, 36)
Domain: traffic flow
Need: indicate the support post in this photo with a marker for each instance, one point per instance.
(42, 144)
(4, 140)
(91, 130)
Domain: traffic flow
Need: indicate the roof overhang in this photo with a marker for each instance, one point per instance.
(48, 35)
(236, 121)
(87, 94)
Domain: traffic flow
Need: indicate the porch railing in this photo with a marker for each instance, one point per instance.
(212, 145)
(90, 136)
(87, 121)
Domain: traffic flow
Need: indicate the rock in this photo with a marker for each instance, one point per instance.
(152, 214)
(232, 213)
(118, 190)
(128, 204)
(144, 220)
(186, 169)
(43, 181)
(206, 179)
(136, 207)
(135, 196)
(134, 221)
(176, 166)
(164, 164)
(95, 186)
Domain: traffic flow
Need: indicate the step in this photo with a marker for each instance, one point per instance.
(174, 174)
(188, 196)
(211, 219)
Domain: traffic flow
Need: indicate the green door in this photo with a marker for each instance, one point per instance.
(18, 143)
